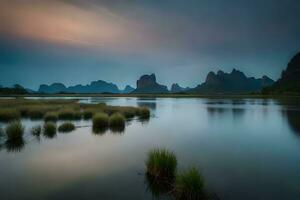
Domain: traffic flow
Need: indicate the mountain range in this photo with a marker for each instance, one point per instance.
(289, 82)
(235, 82)
(94, 87)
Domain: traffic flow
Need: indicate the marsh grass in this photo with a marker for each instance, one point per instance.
(157, 187)
(12, 109)
(66, 127)
(36, 112)
(117, 120)
(1, 132)
(15, 145)
(88, 113)
(49, 129)
(143, 112)
(189, 185)
(162, 164)
(14, 131)
(8, 114)
(69, 114)
(51, 116)
(36, 130)
(100, 121)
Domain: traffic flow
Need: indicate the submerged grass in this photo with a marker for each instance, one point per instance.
(189, 185)
(36, 130)
(161, 163)
(14, 131)
(49, 129)
(66, 127)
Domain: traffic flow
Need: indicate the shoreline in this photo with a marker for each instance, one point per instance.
(156, 95)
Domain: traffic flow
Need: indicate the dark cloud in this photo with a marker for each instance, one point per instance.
(178, 40)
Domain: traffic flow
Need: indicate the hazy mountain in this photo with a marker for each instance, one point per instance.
(127, 89)
(148, 84)
(176, 88)
(290, 78)
(53, 88)
(234, 82)
(95, 87)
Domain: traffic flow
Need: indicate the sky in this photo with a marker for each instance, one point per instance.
(79, 41)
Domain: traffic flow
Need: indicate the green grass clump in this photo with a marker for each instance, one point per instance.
(14, 131)
(36, 113)
(143, 112)
(36, 130)
(88, 113)
(117, 120)
(100, 120)
(69, 114)
(9, 115)
(161, 163)
(51, 116)
(49, 129)
(189, 185)
(66, 127)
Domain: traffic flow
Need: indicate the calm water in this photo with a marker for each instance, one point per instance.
(245, 149)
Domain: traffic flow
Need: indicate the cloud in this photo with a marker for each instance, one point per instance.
(64, 23)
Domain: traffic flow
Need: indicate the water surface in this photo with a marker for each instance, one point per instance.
(245, 149)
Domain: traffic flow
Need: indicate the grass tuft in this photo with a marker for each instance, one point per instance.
(88, 114)
(9, 115)
(66, 127)
(161, 163)
(100, 120)
(14, 131)
(143, 112)
(49, 129)
(51, 116)
(69, 114)
(36, 112)
(189, 185)
(117, 120)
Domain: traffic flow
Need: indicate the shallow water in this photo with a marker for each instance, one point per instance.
(245, 149)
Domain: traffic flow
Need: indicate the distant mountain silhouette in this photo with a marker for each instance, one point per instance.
(290, 79)
(16, 89)
(95, 87)
(148, 84)
(127, 89)
(234, 82)
(53, 88)
(176, 88)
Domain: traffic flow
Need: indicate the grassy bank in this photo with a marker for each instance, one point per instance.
(53, 110)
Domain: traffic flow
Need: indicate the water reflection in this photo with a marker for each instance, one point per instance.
(15, 145)
(150, 105)
(50, 134)
(293, 118)
(99, 130)
(157, 187)
(117, 129)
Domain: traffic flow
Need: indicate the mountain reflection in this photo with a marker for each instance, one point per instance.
(293, 118)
